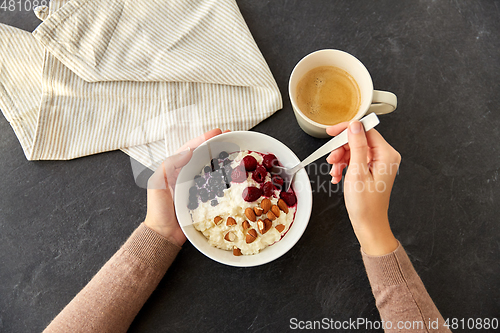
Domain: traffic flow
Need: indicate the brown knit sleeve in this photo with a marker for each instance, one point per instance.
(114, 296)
(400, 295)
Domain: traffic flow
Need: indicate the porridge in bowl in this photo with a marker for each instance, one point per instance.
(236, 202)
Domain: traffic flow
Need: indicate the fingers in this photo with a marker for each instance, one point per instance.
(193, 143)
(336, 155)
(336, 179)
(167, 172)
(375, 139)
(358, 144)
(339, 158)
(364, 150)
(337, 168)
(341, 163)
(158, 181)
(174, 164)
(210, 134)
(380, 149)
(336, 129)
(178, 160)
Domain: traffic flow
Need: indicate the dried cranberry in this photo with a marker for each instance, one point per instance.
(268, 189)
(269, 161)
(259, 175)
(250, 163)
(239, 175)
(251, 193)
(289, 198)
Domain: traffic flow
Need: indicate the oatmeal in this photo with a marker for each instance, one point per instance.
(238, 205)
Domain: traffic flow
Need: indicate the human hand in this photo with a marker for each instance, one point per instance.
(372, 167)
(160, 214)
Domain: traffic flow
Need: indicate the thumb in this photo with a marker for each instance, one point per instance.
(167, 172)
(358, 144)
(178, 160)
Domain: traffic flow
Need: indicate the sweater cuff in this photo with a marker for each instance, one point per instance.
(151, 248)
(388, 269)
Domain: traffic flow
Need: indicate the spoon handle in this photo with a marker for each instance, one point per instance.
(369, 122)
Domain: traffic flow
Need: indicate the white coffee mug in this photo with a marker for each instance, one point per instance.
(380, 102)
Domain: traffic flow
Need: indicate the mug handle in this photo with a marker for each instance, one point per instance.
(383, 102)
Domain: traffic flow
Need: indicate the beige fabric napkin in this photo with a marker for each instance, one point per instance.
(144, 77)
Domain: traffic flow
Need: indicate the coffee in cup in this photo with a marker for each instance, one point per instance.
(328, 87)
(328, 95)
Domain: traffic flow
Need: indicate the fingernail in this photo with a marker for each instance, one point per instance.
(355, 127)
(184, 152)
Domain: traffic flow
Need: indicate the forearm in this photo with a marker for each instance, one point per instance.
(114, 296)
(400, 294)
(375, 236)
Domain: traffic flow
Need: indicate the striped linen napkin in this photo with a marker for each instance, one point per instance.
(140, 76)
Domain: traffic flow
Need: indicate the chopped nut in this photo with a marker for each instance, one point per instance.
(265, 205)
(250, 214)
(236, 251)
(264, 226)
(258, 211)
(268, 223)
(217, 220)
(230, 237)
(245, 225)
(276, 211)
(261, 227)
(230, 221)
(251, 236)
(280, 227)
(283, 206)
(271, 216)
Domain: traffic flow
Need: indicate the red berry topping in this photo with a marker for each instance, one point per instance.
(250, 163)
(278, 181)
(259, 175)
(239, 175)
(268, 189)
(289, 198)
(269, 161)
(251, 193)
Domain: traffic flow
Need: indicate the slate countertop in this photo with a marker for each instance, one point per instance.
(61, 220)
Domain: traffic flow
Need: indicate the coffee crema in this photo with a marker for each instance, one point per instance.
(328, 95)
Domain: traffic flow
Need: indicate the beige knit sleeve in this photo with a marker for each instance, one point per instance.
(114, 296)
(400, 295)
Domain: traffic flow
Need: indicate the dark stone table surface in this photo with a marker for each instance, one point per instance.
(60, 221)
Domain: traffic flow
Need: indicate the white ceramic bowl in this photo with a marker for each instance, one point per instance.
(236, 141)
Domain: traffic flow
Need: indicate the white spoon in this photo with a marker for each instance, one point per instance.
(369, 122)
